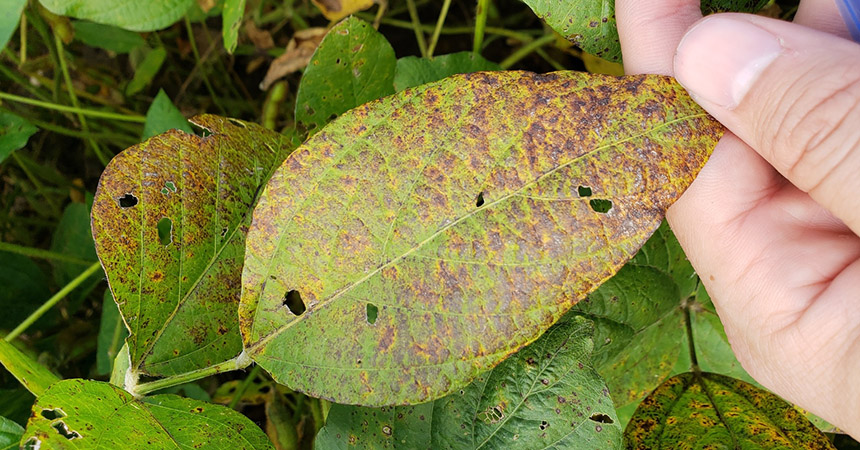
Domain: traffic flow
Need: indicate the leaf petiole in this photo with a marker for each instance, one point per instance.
(139, 390)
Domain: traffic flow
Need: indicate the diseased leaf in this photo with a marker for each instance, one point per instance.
(131, 15)
(15, 131)
(81, 414)
(353, 65)
(112, 334)
(12, 10)
(179, 291)
(107, 37)
(590, 24)
(232, 15)
(162, 115)
(32, 375)
(546, 396)
(413, 71)
(10, 434)
(453, 211)
(715, 411)
(338, 9)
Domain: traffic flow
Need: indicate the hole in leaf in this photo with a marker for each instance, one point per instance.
(544, 425)
(237, 122)
(52, 414)
(293, 301)
(600, 205)
(32, 444)
(584, 191)
(65, 431)
(601, 418)
(165, 231)
(332, 117)
(127, 201)
(479, 201)
(372, 313)
(224, 231)
(170, 185)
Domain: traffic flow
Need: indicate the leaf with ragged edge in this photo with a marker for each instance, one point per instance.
(81, 414)
(413, 71)
(131, 15)
(10, 434)
(546, 396)
(169, 220)
(15, 131)
(590, 24)
(353, 65)
(714, 411)
(432, 233)
(32, 375)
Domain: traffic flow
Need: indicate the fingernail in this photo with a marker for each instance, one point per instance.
(722, 57)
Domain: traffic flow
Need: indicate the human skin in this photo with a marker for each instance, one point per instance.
(771, 223)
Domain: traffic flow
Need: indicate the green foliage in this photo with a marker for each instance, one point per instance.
(112, 333)
(32, 375)
(14, 133)
(232, 13)
(162, 116)
(107, 37)
(146, 70)
(413, 71)
(131, 15)
(10, 434)
(25, 287)
(8, 23)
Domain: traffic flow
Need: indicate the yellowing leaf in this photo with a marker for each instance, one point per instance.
(420, 239)
(338, 9)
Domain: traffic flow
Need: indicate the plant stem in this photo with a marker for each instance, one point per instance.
(39, 253)
(523, 51)
(238, 363)
(416, 26)
(77, 110)
(237, 396)
(52, 301)
(71, 88)
(688, 324)
(480, 25)
(439, 23)
(522, 36)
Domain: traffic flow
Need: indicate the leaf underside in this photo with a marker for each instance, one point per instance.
(454, 212)
(169, 220)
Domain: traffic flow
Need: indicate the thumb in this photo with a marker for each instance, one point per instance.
(790, 92)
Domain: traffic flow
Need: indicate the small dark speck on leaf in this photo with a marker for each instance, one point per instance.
(127, 201)
(293, 301)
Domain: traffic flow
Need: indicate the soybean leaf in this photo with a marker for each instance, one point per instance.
(714, 411)
(169, 220)
(34, 376)
(590, 24)
(146, 70)
(412, 71)
(107, 37)
(10, 434)
(162, 115)
(420, 239)
(231, 16)
(81, 414)
(25, 288)
(353, 65)
(14, 132)
(664, 252)
(12, 10)
(131, 15)
(16, 403)
(112, 333)
(546, 396)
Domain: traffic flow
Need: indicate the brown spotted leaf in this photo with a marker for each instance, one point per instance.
(169, 221)
(714, 411)
(420, 239)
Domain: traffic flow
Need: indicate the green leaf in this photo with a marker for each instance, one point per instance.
(131, 15)
(545, 396)
(664, 252)
(14, 133)
(10, 434)
(181, 298)
(34, 376)
(453, 209)
(714, 411)
(112, 334)
(73, 237)
(146, 70)
(25, 287)
(81, 414)
(162, 116)
(353, 65)
(232, 15)
(12, 10)
(414, 71)
(590, 24)
(107, 37)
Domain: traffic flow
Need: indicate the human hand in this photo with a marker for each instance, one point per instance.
(771, 224)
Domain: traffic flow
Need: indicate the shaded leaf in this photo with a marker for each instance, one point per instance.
(120, 367)
(590, 24)
(34, 376)
(24, 289)
(715, 411)
(111, 337)
(545, 396)
(353, 65)
(12, 10)
(73, 237)
(162, 116)
(10, 434)
(107, 37)
(413, 71)
(80, 414)
(182, 297)
(596, 64)
(453, 208)
(664, 252)
(15, 131)
(146, 70)
(131, 15)
(16, 402)
(231, 16)
(338, 9)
